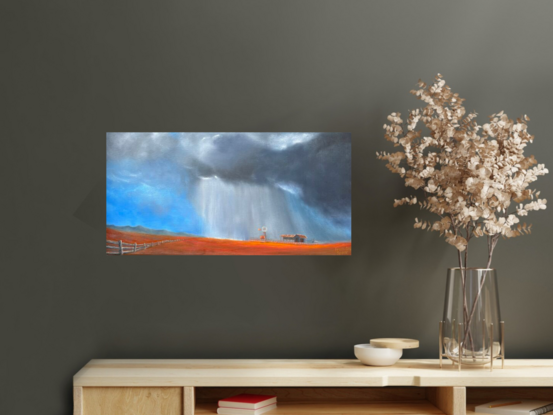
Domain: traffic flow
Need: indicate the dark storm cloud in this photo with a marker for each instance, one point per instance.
(233, 157)
(317, 167)
(320, 167)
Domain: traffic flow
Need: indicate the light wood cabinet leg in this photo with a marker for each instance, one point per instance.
(77, 400)
(450, 400)
(188, 400)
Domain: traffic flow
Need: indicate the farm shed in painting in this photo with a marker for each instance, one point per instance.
(294, 238)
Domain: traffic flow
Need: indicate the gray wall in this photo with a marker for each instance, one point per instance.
(73, 70)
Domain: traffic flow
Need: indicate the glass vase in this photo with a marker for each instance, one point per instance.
(471, 332)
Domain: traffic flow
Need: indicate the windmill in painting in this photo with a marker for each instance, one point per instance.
(228, 194)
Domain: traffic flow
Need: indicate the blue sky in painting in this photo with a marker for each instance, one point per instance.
(228, 185)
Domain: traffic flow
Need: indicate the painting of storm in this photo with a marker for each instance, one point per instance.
(228, 194)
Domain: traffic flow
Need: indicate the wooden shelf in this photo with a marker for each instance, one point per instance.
(303, 387)
(287, 373)
(333, 408)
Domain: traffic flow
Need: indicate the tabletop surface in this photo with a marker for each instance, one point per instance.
(305, 373)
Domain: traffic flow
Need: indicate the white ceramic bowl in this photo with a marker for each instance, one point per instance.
(376, 356)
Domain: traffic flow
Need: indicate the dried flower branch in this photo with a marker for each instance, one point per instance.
(475, 178)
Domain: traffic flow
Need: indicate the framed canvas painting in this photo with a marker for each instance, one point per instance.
(228, 194)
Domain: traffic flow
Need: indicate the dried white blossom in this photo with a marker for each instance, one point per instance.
(475, 178)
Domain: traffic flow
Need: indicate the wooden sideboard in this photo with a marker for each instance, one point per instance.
(318, 387)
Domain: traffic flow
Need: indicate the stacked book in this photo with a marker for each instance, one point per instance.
(515, 407)
(247, 404)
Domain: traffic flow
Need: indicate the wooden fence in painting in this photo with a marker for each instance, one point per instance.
(120, 247)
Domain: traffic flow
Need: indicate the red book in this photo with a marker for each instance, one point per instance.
(247, 401)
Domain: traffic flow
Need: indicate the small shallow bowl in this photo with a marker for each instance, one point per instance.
(376, 356)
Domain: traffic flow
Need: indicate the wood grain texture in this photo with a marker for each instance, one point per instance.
(450, 400)
(482, 395)
(307, 373)
(132, 401)
(297, 395)
(392, 343)
(77, 400)
(189, 400)
(418, 408)
(470, 409)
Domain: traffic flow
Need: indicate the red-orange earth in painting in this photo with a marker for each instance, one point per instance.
(185, 245)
